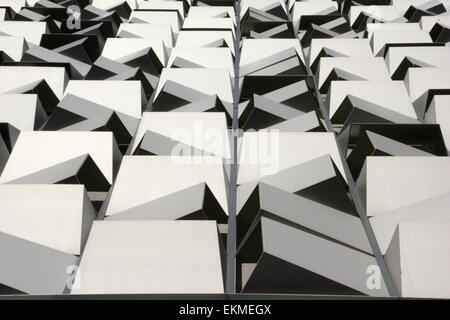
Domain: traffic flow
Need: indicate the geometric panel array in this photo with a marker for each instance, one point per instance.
(220, 146)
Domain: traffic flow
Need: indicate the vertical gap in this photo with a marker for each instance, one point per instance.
(231, 238)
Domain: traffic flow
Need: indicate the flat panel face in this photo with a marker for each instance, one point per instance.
(198, 39)
(151, 257)
(124, 97)
(157, 17)
(205, 81)
(372, 27)
(261, 49)
(381, 38)
(420, 80)
(439, 113)
(394, 182)
(20, 110)
(432, 209)
(213, 58)
(120, 48)
(354, 69)
(31, 31)
(389, 13)
(51, 215)
(20, 77)
(145, 178)
(427, 23)
(47, 149)
(161, 31)
(106, 4)
(50, 266)
(346, 47)
(281, 150)
(387, 96)
(13, 46)
(426, 56)
(190, 128)
(225, 147)
(424, 259)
